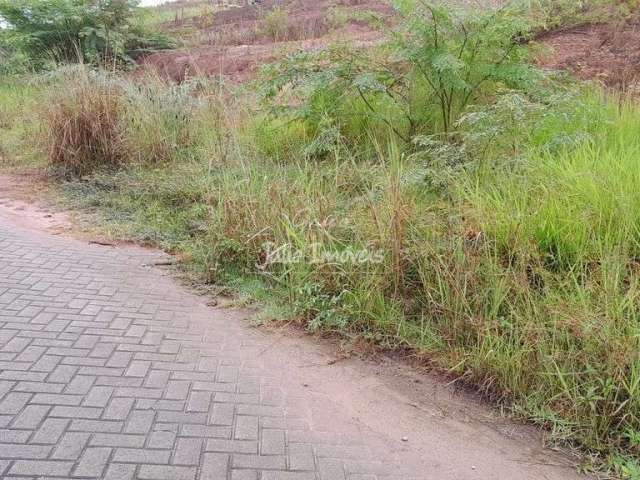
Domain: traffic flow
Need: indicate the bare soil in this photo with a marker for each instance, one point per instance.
(608, 53)
(24, 199)
(234, 43)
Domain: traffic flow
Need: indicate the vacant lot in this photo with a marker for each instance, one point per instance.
(415, 176)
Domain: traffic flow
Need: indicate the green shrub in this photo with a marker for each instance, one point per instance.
(49, 32)
(438, 63)
(276, 24)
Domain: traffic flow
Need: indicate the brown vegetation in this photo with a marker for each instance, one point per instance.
(86, 129)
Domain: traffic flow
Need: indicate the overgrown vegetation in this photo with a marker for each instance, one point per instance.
(45, 33)
(436, 193)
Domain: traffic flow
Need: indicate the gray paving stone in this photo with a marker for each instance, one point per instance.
(97, 397)
(15, 450)
(13, 436)
(96, 426)
(288, 476)
(331, 469)
(232, 446)
(138, 368)
(156, 472)
(117, 440)
(63, 374)
(140, 421)
(215, 465)
(222, 414)
(118, 409)
(76, 412)
(50, 431)
(272, 442)
(13, 403)
(55, 399)
(120, 471)
(92, 462)
(199, 402)
(40, 467)
(246, 428)
(244, 475)
(31, 417)
(301, 457)
(71, 446)
(276, 462)
(110, 371)
(196, 430)
(140, 455)
(188, 451)
(164, 440)
(39, 387)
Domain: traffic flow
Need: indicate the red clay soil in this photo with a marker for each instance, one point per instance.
(234, 44)
(306, 18)
(609, 53)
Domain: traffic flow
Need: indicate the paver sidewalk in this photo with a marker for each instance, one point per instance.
(109, 370)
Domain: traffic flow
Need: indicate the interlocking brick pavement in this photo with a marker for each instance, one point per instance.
(108, 370)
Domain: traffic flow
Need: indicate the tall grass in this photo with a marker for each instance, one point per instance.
(17, 123)
(561, 235)
(85, 118)
(519, 276)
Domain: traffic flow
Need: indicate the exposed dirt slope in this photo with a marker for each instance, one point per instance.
(233, 43)
(608, 52)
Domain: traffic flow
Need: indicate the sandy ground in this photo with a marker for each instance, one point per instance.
(23, 200)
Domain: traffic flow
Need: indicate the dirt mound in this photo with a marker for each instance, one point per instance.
(233, 43)
(609, 53)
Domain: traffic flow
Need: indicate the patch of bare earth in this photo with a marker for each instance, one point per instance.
(234, 43)
(609, 53)
(25, 199)
(28, 200)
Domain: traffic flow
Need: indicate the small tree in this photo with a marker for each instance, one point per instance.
(455, 54)
(437, 62)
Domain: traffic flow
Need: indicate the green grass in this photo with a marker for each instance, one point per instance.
(184, 24)
(166, 14)
(17, 100)
(563, 230)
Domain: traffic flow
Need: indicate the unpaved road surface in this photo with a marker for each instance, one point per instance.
(109, 369)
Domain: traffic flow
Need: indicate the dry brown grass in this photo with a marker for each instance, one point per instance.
(81, 127)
